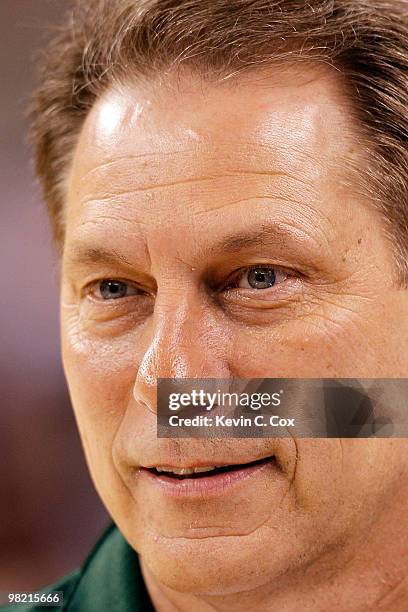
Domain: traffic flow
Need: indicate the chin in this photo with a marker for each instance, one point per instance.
(214, 565)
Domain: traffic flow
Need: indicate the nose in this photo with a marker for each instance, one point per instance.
(185, 342)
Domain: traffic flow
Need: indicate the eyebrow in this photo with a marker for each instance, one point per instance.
(88, 255)
(256, 237)
(274, 235)
(306, 240)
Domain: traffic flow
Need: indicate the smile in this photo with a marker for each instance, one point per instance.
(202, 471)
(203, 480)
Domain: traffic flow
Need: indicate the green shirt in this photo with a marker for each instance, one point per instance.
(110, 580)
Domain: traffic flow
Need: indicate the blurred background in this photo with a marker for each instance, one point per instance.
(49, 512)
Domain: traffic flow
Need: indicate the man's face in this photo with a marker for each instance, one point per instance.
(212, 231)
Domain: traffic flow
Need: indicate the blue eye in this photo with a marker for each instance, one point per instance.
(113, 290)
(261, 277)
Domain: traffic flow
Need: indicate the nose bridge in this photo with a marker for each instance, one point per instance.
(182, 344)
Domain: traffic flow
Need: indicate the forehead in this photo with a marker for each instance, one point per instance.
(179, 146)
(275, 111)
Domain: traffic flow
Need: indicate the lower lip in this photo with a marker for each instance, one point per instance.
(206, 485)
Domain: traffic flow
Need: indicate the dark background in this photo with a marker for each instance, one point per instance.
(49, 512)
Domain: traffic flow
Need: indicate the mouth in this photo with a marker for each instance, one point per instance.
(204, 471)
(205, 479)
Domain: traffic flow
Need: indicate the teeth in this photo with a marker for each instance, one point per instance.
(186, 471)
(204, 469)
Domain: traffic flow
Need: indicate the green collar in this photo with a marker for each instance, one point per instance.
(110, 580)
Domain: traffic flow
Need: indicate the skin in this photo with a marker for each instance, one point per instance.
(163, 174)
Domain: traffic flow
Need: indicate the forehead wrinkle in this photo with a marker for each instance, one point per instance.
(261, 197)
(300, 215)
(100, 219)
(247, 155)
(211, 156)
(180, 182)
(106, 165)
(284, 190)
(121, 208)
(96, 227)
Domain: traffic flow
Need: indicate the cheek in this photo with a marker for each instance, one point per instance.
(100, 372)
(100, 377)
(300, 353)
(344, 482)
(336, 341)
